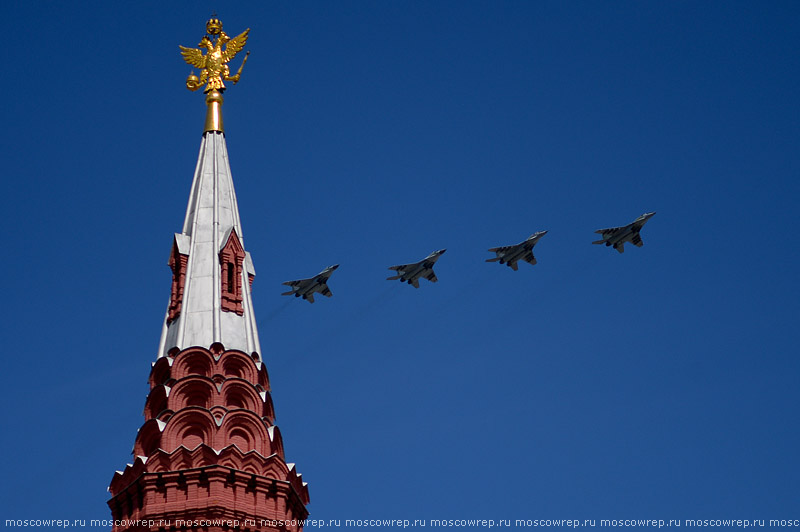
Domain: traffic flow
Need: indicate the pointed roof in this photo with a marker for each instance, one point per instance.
(212, 218)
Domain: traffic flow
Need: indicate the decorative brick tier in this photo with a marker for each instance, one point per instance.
(208, 450)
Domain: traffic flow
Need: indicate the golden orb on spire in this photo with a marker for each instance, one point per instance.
(214, 26)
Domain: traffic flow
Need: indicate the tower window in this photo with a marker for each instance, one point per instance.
(231, 275)
(231, 258)
(177, 263)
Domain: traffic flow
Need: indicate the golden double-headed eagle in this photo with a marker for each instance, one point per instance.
(214, 64)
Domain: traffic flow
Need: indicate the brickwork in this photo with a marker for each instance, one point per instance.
(230, 260)
(208, 448)
(177, 263)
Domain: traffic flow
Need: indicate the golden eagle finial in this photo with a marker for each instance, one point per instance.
(214, 64)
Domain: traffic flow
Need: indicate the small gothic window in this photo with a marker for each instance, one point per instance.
(231, 275)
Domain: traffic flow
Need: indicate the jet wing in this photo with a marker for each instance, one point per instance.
(431, 276)
(323, 277)
(529, 258)
(299, 282)
(636, 240)
(325, 291)
(501, 252)
(502, 249)
(610, 231)
(607, 234)
(296, 285)
(400, 269)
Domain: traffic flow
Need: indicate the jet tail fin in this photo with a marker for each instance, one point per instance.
(393, 278)
(493, 260)
(599, 242)
(290, 292)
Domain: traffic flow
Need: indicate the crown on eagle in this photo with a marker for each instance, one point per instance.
(214, 26)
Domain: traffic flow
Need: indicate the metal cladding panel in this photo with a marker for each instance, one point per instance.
(202, 295)
(204, 232)
(248, 262)
(206, 199)
(204, 261)
(169, 335)
(211, 214)
(198, 329)
(234, 331)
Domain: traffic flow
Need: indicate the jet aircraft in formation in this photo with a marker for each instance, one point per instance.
(617, 236)
(306, 288)
(508, 255)
(410, 273)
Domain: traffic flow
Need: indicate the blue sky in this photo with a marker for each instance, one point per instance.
(660, 383)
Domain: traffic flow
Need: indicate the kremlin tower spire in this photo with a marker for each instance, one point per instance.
(208, 456)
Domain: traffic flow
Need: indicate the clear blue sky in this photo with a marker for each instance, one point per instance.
(660, 383)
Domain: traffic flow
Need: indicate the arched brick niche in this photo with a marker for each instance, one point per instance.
(239, 393)
(161, 372)
(189, 428)
(148, 439)
(193, 361)
(192, 391)
(156, 402)
(246, 430)
(236, 364)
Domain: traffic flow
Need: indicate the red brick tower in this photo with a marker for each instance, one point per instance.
(208, 456)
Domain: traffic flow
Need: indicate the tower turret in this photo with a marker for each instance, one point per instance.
(208, 456)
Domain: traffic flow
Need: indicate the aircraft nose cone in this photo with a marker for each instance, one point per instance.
(333, 267)
(441, 251)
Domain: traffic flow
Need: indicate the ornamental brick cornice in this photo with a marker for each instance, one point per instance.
(211, 396)
(208, 436)
(199, 493)
(209, 363)
(194, 390)
(202, 457)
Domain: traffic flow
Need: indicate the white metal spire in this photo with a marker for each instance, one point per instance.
(212, 216)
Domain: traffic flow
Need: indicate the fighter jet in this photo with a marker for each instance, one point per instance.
(410, 273)
(305, 288)
(509, 255)
(617, 236)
